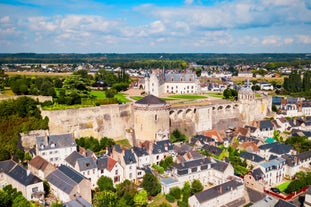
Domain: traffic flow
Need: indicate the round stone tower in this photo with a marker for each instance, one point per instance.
(151, 119)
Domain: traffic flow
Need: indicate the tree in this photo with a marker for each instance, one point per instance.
(196, 187)
(230, 94)
(46, 187)
(126, 190)
(20, 201)
(177, 136)
(151, 184)
(175, 192)
(57, 204)
(105, 198)
(140, 199)
(105, 183)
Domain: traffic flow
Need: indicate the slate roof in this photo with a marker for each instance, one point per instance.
(192, 163)
(162, 146)
(61, 181)
(276, 148)
(6, 166)
(309, 190)
(23, 176)
(71, 173)
(180, 77)
(212, 149)
(282, 203)
(243, 138)
(140, 151)
(304, 155)
(60, 141)
(252, 157)
(151, 100)
(272, 164)
(105, 163)
(217, 191)
(257, 174)
(182, 148)
(86, 163)
(251, 128)
(202, 139)
(219, 165)
(265, 124)
(73, 157)
(129, 157)
(78, 202)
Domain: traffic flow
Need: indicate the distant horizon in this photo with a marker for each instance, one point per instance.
(155, 26)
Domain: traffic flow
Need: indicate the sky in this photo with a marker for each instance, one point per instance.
(155, 26)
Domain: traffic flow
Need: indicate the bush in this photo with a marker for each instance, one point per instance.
(170, 198)
(158, 168)
(175, 192)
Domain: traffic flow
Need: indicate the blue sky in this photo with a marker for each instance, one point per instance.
(138, 26)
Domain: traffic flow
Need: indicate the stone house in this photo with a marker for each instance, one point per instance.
(255, 180)
(68, 184)
(273, 170)
(22, 179)
(55, 148)
(219, 195)
(110, 168)
(40, 167)
(84, 165)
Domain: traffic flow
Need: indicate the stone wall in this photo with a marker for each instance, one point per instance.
(108, 120)
(28, 140)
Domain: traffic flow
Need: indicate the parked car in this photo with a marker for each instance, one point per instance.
(275, 190)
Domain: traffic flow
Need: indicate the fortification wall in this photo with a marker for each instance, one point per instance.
(108, 120)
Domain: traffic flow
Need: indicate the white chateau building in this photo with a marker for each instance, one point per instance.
(159, 82)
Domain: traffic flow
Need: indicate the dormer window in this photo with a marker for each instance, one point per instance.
(52, 144)
(41, 146)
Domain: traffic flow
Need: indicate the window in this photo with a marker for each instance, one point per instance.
(156, 117)
(116, 172)
(35, 189)
(43, 153)
(51, 152)
(130, 167)
(139, 173)
(51, 159)
(130, 175)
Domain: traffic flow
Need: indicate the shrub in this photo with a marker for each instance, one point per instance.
(175, 192)
(170, 198)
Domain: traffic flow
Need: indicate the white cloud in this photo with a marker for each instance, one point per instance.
(305, 39)
(188, 2)
(271, 40)
(5, 19)
(288, 40)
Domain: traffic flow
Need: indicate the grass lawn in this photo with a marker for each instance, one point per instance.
(7, 92)
(98, 94)
(186, 96)
(121, 97)
(283, 186)
(215, 94)
(136, 98)
(123, 143)
(159, 199)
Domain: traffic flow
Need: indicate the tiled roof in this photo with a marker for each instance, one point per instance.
(39, 163)
(151, 100)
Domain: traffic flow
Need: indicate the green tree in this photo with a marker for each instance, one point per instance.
(151, 184)
(105, 183)
(46, 187)
(107, 76)
(20, 201)
(140, 199)
(196, 187)
(127, 190)
(105, 199)
(57, 204)
(175, 192)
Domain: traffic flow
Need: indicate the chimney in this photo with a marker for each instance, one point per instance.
(28, 172)
(220, 189)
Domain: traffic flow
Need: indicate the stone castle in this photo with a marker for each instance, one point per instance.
(153, 119)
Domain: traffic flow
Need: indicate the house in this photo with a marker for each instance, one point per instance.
(295, 163)
(160, 150)
(206, 169)
(22, 179)
(264, 129)
(273, 170)
(255, 180)
(55, 148)
(67, 184)
(40, 167)
(110, 168)
(127, 160)
(276, 149)
(142, 156)
(84, 165)
(199, 140)
(212, 150)
(283, 123)
(307, 202)
(219, 195)
(252, 159)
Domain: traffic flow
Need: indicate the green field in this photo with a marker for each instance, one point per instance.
(186, 96)
(215, 94)
(98, 94)
(121, 97)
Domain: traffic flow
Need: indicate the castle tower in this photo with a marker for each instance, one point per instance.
(246, 97)
(151, 119)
